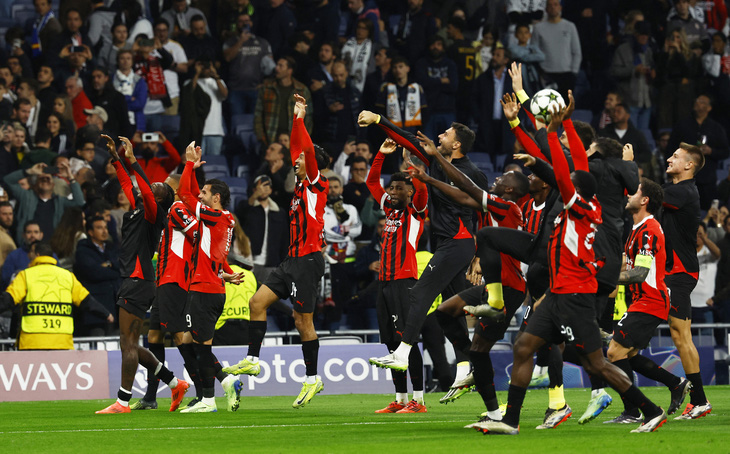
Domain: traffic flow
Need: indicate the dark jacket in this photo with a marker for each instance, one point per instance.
(642, 152)
(253, 220)
(440, 97)
(343, 123)
(102, 282)
(116, 108)
(483, 98)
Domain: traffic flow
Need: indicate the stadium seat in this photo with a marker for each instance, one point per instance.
(238, 187)
(215, 160)
(721, 174)
(170, 126)
(21, 12)
(242, 171)
(216, 171)
(583, 115)
(649, 138)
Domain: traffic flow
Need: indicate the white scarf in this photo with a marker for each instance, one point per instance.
(359, 57)
(125, 85)
(412, 110)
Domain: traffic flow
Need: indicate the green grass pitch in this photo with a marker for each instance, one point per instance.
(347, 424)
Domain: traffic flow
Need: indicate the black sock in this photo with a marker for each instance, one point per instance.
(625, 365)
(555, 366)
(515, 398)
(207, 371)
(484, 378)
(123, 395)
(597, 382)
(415, 368)
(256, 333)
(219, 374)
(639, 400)
(697, 392)
(652, 370)
(457, 333)
(191, 365)
(310, 351)
(164, 374)
(153, 382)
(543, 355)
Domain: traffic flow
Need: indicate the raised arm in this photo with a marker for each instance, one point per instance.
(511, 109)
(455, 194)
(184, 190)
(577, 150)
(373, 180)
(420, 198)
(148, 198)
(562, 171)
(401, 137)
(122, 174)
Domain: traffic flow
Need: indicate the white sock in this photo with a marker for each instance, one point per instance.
(122, 402)
(596, 392)
(418, 396)
(253, 359)
(311, 379)
(401, 397)
(403, 351)
(173, 383)
(495, 414)
(209, 401)
(158, 368)
(462, 370)
(540, 370)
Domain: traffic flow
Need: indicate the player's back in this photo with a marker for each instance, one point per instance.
(174, 258)
(140, 239)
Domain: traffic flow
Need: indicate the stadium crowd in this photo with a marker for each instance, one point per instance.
(223, 74)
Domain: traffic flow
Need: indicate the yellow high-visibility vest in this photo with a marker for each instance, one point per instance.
(422, 259)
(620, 307)
(237, 297)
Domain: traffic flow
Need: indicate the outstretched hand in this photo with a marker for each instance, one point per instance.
(128, 150)
(557, 114)
(418, 174)
(571, 105)
(300, 106)
(234, 279)
(366, 118)
(515, 73)
(111, 146)
(526, 158)
(388, 146)
(510, 106)
(427, 144)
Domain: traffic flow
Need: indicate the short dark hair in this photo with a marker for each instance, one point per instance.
(609, 148)
(5, 203)
(161, 21)
(169, 197)
(196, 18)
(42, 135)
(655, 193)
(521, 183)
(399, 59)
(29, 223)
(322, 157)
(41, 248)
(585, 132)
(91, 220)
(358, 159)
(290, 63)
(221, 188)
(464, 135)
(623, 106)
(457, 22)
(695, 153)
(20, 102)
(586, 184)
(102, 69)
(117, 24)
(32, 84)
(369, 24)
(98, 206)
(401, 176)
(522, 25)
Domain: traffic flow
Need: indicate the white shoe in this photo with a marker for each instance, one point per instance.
(200, 407)
(232, 387)
(390, 362)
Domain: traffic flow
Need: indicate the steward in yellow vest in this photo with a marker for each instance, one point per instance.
(232, 325)
(48, 295)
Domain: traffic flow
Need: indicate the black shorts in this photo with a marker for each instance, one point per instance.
(169, 309)
(569, 318)
(136, 295)
(487, 327)
(635, 329)
(680, 288)
(528, 312)
(391, 307)
(204, 310)
(298, 277)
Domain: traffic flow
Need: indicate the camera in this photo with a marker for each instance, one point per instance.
(150, 137)
(77, 49)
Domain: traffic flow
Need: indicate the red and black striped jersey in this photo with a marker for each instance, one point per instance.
(141, 226)
(680, 220)
(646, 240)
(306, 217)
(175, 256)
(498, 212)
(531, 216)
(571, 258)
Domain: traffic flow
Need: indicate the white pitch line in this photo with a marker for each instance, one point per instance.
(266, 426)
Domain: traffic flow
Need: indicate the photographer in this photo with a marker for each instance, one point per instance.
(147, 147)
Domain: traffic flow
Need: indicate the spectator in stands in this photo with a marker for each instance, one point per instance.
(40, 203)
(107, 56)
(179, 17)
(708, 255)
(342, 99)
(103, 95)
(720, 301)
(410, 36)
(97, 118)
(633, 69)
(558, 40)
(97, 268)
(362, 10)
(711, 137)
(401, 102)
(28, 89)
(156, 168)
(677, 69)
(275, 103)
(82, 157)
(438, 76)
(67, 235)
(527, 53)
(18, 260)
(7, 244)
(44, 28)
(382, 74)
(624, 131)
(715, 63)
(351, 149)
(299, 51)
(266, 225)
(10, 82)
(277, 25)
(151, 60)
(21, 112)
(134, 89)
(46, 92)
(493, 133)
(73, 35)
(356, 192)
(341, 226)
(62, 106)
(199, 42)
(8, 160)
(19, 145)
(6, 104)
(211, 83)
(101, 25)
(277, 167)
(462, 52)
(320, 75)
(694, 29)
(41, 152)
(79, 100)
(250, 60)
(131, 14)
(359, 52)
(178, 66)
